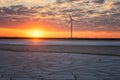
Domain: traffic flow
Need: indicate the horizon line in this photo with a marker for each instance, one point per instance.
(67, 38)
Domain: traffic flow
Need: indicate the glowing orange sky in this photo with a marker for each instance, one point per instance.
(49, 30)
(54, 34)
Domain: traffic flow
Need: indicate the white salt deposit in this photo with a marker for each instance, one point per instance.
(57, 66)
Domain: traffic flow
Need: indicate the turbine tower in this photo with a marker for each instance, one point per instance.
(71, 26)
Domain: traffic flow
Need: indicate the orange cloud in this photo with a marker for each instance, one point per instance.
(16, 0)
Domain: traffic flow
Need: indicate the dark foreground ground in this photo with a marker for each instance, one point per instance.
(57, 66)
(59, 62)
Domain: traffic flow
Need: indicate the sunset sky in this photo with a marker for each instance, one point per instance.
(50, 18)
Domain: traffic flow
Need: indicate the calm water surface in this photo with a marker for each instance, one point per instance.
(60, 42)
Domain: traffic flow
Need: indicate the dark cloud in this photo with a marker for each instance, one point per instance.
(59, 2)
(101, 23)
(98, 1)
(62, 1)
(17, 9)
(48, 13)
(69, 10)
(116, 3)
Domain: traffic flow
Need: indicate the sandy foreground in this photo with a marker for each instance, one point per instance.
(31, 63)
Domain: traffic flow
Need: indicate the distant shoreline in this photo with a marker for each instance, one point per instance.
(61, 38)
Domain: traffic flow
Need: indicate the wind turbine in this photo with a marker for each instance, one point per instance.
(71, 25)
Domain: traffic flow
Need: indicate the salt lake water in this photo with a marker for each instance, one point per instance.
(61, 42)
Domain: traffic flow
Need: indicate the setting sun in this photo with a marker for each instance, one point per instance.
(36, 33)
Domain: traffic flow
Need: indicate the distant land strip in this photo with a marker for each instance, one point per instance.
(60, 38)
